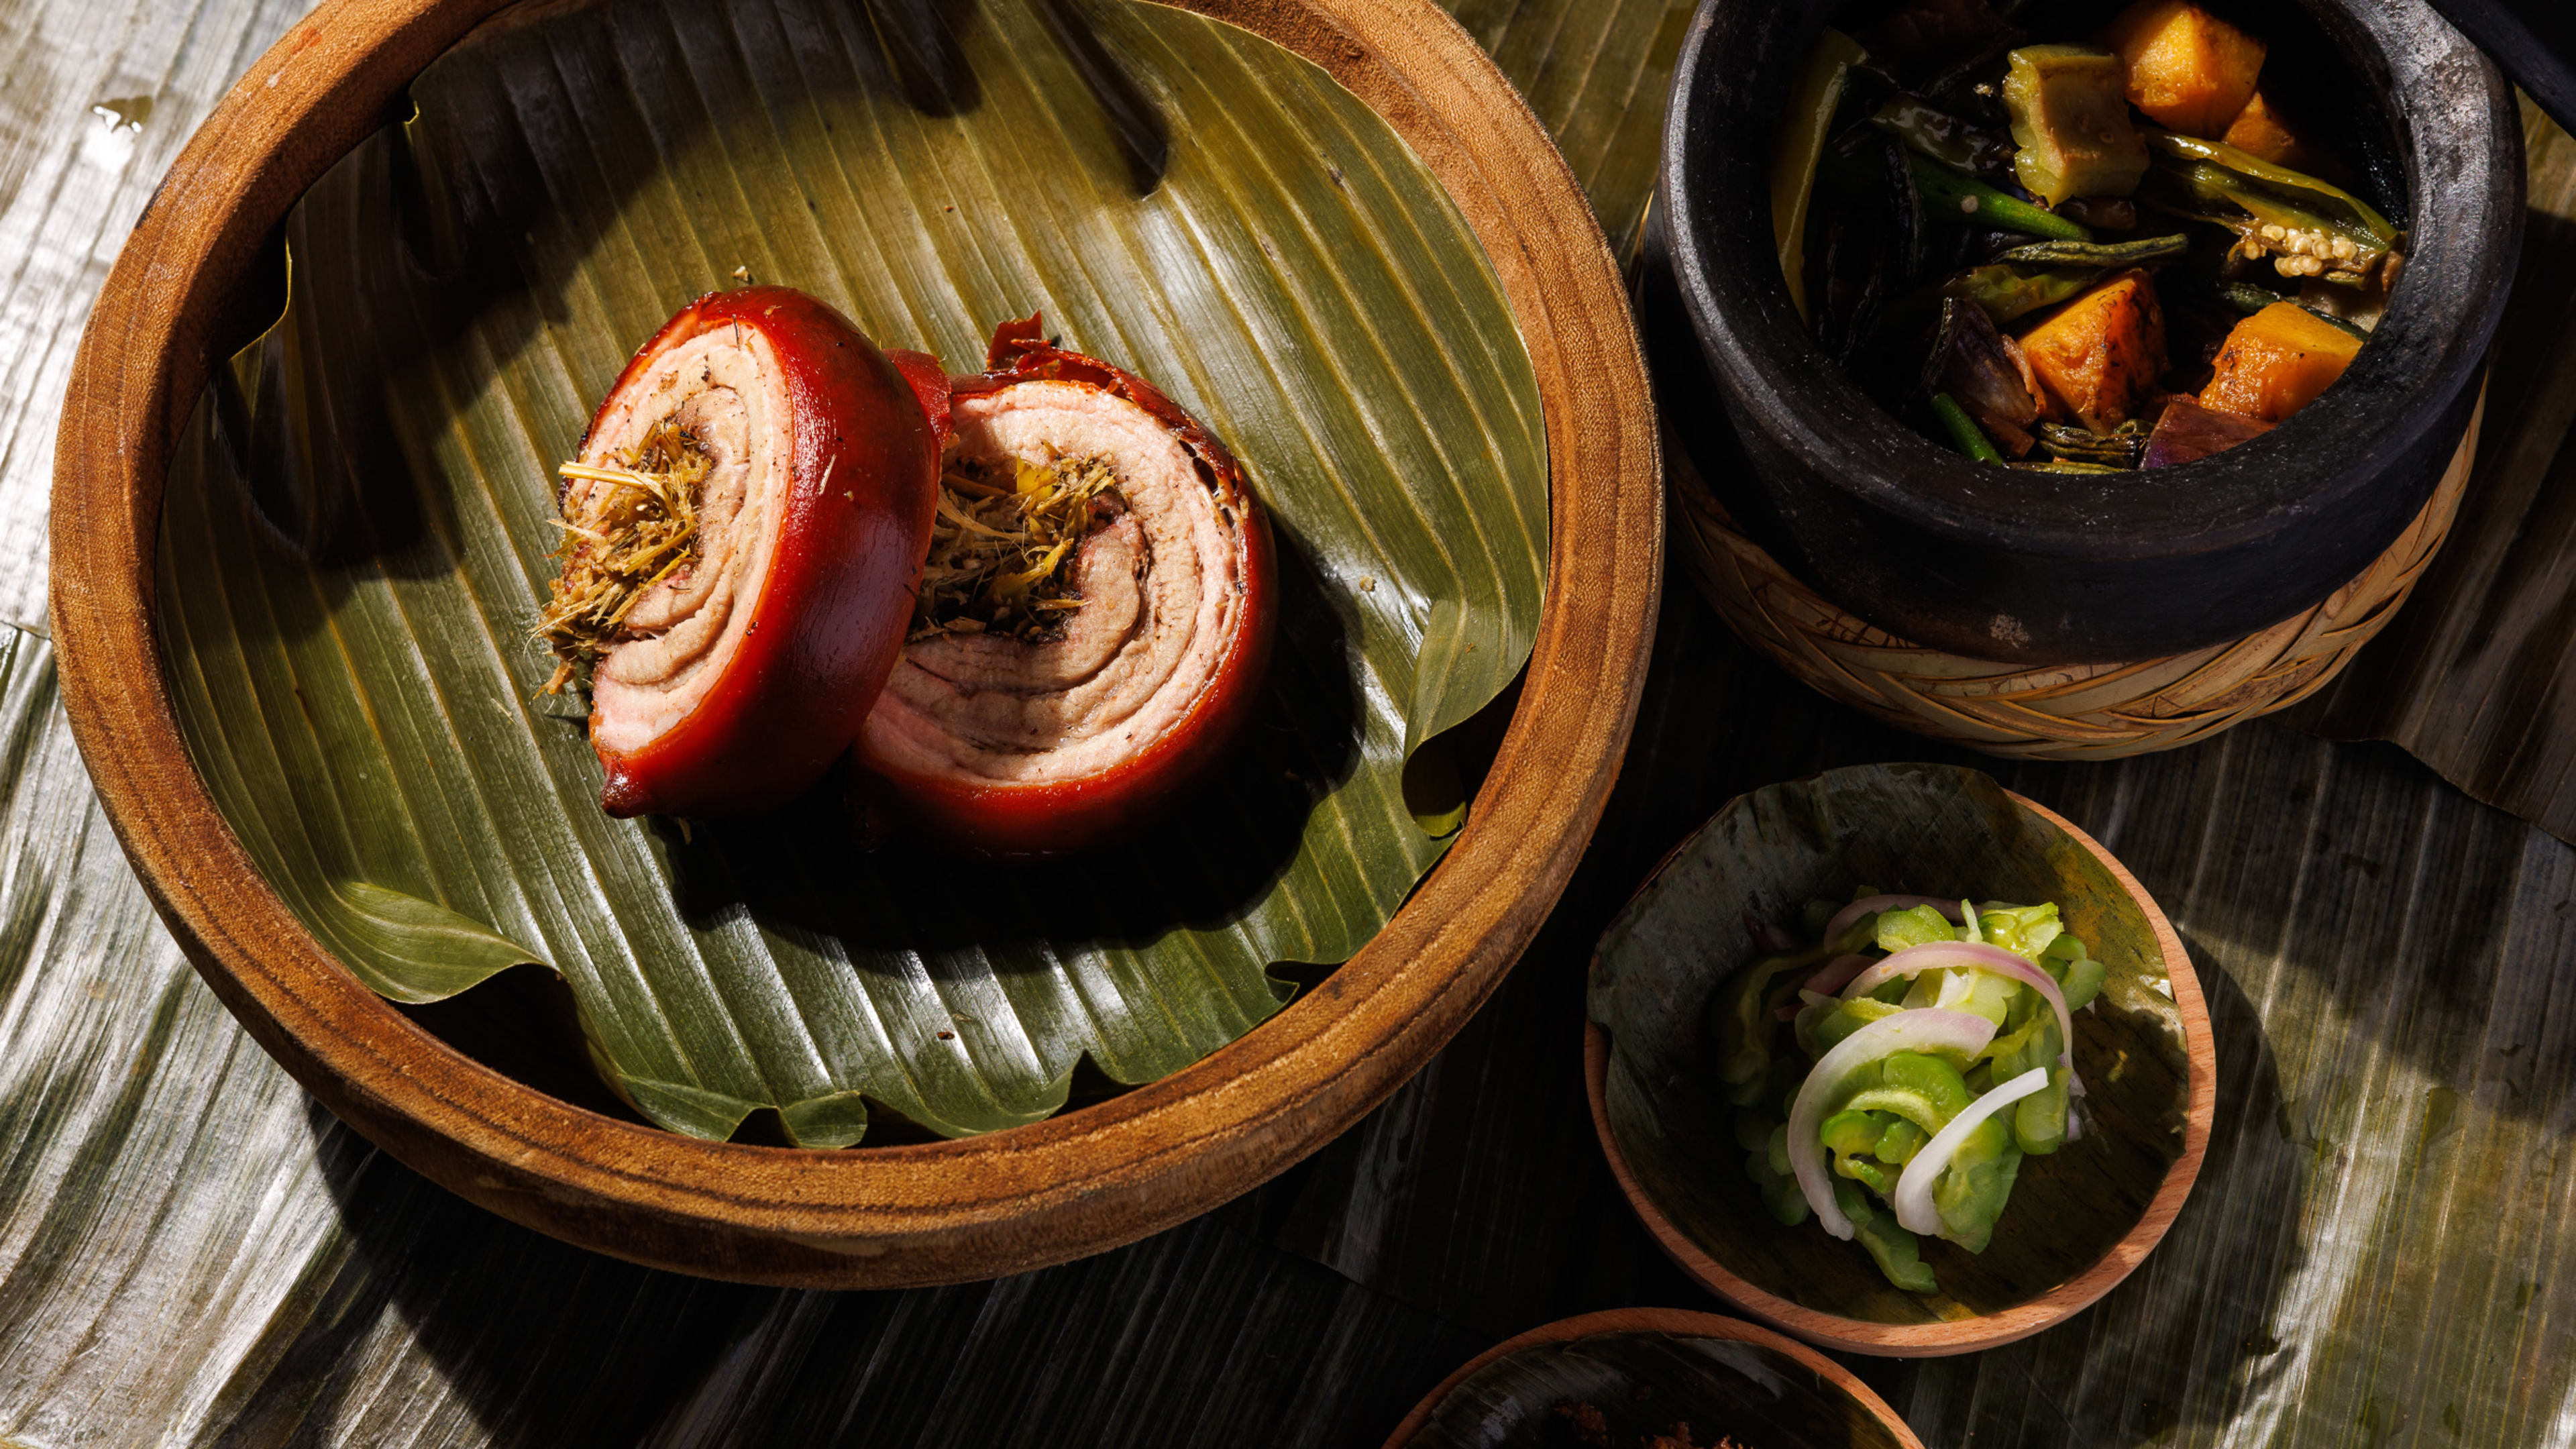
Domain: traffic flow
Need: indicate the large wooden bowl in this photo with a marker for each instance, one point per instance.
(944, 1212)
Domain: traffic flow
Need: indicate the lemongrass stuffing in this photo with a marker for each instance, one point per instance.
(625, 529)
(1001, 541)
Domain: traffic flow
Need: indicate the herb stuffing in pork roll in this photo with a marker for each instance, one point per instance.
(743, 532)
(1094, 619)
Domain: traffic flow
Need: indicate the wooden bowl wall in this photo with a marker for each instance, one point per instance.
(1868, 1419)
(945, 1212)
(2080, 1220)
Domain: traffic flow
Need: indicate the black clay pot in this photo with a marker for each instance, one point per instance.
(2036, 568)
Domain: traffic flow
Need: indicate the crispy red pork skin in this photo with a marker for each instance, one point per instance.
(1046, 740)
(733, 682)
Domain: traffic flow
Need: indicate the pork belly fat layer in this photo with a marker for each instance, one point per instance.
(723, 387)
(1162, 590)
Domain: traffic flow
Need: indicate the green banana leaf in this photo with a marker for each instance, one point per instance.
(1596, 73)
(1639, 1385)
(356, 534)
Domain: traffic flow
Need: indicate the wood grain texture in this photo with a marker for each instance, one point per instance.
(935, 1213)
(2056, 712)
(1677, 1323)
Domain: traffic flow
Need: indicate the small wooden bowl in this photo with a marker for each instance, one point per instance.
(1824, 1385)
(944, 1212)
(2080, 1219)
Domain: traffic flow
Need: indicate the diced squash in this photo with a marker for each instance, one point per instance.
(2187, 68)
(2260, 130)
(2277, 361)
(2070, 120)
(2099, 357)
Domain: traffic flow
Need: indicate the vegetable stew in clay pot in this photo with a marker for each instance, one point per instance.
(2078, 332)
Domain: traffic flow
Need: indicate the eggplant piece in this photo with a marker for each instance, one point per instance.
(2247, 298)
(1973, 363)
(1945, 138)
(2189, 432)
(1872, 248)
(1931, 34)
(1802, 151)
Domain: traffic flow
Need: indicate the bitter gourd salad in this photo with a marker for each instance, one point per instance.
(1891, 1073)
(2067, 238)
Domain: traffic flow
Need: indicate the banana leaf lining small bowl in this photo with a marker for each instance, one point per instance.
(2044, 569)
(1074, 1184)
(2079, 1220)
(1646, 1369)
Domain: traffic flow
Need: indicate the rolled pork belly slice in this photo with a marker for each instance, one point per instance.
(1032, 743)
(738, 671)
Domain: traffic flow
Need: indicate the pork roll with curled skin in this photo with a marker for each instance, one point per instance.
(1097, 611)
(744, 533)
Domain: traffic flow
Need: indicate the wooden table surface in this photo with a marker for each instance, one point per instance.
(192, 1252)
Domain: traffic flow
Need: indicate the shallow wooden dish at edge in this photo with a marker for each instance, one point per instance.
(1674, 1322)
(1992, 1330)
(1076, 1184)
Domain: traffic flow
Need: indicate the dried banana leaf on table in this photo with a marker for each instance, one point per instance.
(1595, 72)
(2476, 676)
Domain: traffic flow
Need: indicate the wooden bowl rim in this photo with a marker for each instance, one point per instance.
(1672, 1322)
(1022, 1198)
(1986, 1330)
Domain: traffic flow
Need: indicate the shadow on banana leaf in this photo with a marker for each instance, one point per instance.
(1218, 848)
(320, 458)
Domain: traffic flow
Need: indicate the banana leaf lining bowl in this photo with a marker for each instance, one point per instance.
(2079, 1220)
(2032, 569)
(1070, 1185)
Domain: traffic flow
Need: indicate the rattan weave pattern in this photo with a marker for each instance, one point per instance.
(2057, 712)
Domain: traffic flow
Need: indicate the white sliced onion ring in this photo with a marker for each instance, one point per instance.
(1914, 1210)
(1978, 956)
(1925, 1030)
